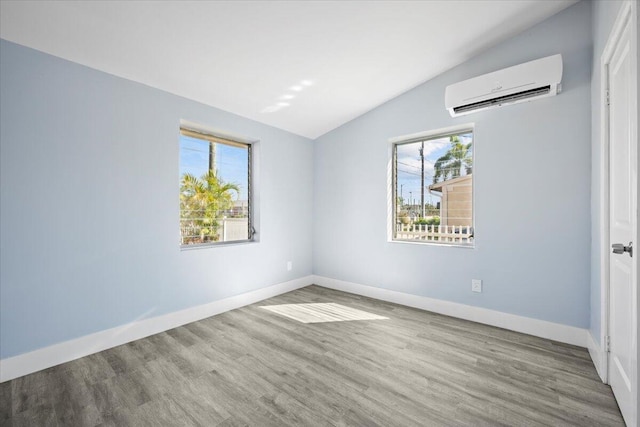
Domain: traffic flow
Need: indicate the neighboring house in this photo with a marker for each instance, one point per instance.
(240, 209)
(457, 197)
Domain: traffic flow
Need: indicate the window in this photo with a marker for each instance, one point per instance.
(433, 189)
(215, 189)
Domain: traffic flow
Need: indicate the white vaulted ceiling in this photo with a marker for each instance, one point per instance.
(303, 66)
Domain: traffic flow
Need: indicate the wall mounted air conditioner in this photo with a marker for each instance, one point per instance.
(520, 83)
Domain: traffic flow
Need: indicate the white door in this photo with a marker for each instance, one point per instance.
(622, 227)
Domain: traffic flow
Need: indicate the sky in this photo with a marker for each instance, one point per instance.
(231, 162)
(409, 167)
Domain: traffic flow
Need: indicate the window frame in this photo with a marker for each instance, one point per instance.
(392, 195)
(208, 134)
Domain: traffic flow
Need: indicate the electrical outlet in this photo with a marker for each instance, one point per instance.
(289, 265)
(476, 285)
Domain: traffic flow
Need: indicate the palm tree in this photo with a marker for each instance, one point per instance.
(202, 200)
(454, 161)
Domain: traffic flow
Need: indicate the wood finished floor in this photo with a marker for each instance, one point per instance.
(253, 367)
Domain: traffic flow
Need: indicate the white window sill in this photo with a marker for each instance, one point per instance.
(217, 245)
(423, 243)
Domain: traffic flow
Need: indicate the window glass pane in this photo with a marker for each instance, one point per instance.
(433, 184)
(214, 191)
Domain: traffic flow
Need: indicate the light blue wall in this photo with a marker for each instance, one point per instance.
(604, 15)
(89, 204)
(532, 186)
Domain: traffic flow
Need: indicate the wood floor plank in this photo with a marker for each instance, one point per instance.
(252, 367)
(6, 402)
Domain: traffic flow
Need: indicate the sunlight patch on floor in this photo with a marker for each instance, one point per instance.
(321, 312)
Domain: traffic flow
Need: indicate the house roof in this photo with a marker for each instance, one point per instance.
(438, 185)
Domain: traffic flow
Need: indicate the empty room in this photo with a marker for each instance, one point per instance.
(319, 213)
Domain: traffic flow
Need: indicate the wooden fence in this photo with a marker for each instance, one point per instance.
(435, 233)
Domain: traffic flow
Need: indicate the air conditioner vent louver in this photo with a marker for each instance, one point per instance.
(503, 99)
(506, 86)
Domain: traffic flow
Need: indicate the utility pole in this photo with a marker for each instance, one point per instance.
(212, 156)
(401, 196)
(422, 179)
(410, 201)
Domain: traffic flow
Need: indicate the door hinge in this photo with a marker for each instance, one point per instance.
(608, 98)
(607, 344)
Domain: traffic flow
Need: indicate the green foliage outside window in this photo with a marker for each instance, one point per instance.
(202, 202)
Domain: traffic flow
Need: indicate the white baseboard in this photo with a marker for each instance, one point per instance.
(540, 328)
(37, 360)
(598, 357)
